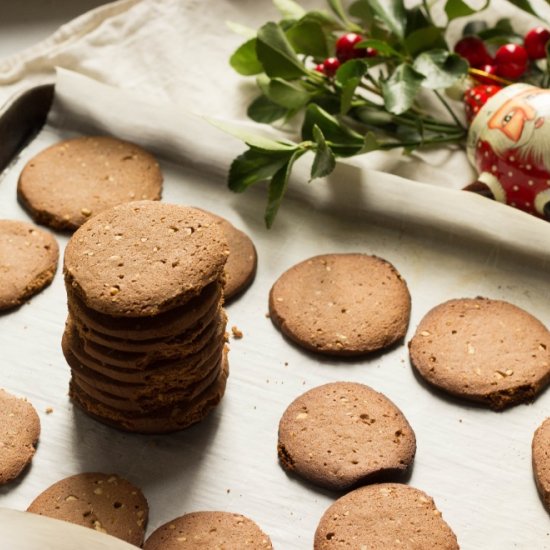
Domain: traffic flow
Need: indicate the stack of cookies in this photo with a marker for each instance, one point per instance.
(145, 337)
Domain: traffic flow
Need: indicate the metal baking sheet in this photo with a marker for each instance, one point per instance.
(474, 462)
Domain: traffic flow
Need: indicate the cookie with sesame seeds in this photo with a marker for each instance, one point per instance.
(144, 258)
(28, 261)
(207, 531)
(341, 304)
(19, 431)
(488, 351)
(343, 434)
(104, 502)
(541, 461)
(386, 515)
(67, 183)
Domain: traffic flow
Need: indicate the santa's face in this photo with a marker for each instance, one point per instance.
(513, 131)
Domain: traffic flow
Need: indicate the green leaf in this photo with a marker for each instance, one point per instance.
(344, 141)
(287, 94)
(276, 54)
(458, 8)
(474, 28)
(250, 138)
(392, 12)
(262, 109)
(324, 161)
(440, 68)
(243, 30)
(289, 9)
(361, 10)
(354, 68)
(525, 6)
(424, 39)
(383, 48)
(245, 61)
(416, 20)
(400, 89)
(255, 165)
(336, 7)
(370, 143)
(307, 37)
(278, 186)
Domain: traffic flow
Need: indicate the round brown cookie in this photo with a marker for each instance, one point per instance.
(384, 516)
(127, 359)
(150, 401)
(171, 419)
(156, 376)
(28, 261)
(242, 262)
(146, 345)
(483, 350)
(19, 431)
(66, 184)
(143, 258)
(170, 323)
(104, 502)
(341, 304)
(541, 461)
(209, 531)
(342, 434)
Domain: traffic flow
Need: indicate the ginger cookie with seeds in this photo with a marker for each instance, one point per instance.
(28, 261)
(71, 181)
(19, 432)
(104, 502)
(541, 461)
(209, 531)
(341, 304)
(242, 262)
(343, 434)
(488, 351)
(143, 258)
(384, 516)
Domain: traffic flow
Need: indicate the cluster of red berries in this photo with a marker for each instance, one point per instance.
(345, 50)
(510, 61)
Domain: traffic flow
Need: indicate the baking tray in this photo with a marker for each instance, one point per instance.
(474, 462)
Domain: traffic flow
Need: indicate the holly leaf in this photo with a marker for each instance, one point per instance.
(307, 37)
(525, 6)
(458, 8)
(392, 13)
(262, 109)
(344, 141)
(399, 91)
(245, 60)
(276, 54)
(324, 161)
(424, 39)
(256, 165)
(278, 186)
(440, 68)
(289, 9)
(286, 94)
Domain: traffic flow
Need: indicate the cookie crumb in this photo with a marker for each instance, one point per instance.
(237, 334)
(49, 410)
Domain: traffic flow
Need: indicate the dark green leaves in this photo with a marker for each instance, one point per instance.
(307, 37)
(400, 89)
(459, 8)
(392, 13)
(286, 94)
(276, 54)
(440, 68)
(348, 76)
(245, 61)
(324, 161)
(262, 109)
(525, 6)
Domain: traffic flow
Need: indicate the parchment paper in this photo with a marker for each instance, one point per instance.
(474, 462)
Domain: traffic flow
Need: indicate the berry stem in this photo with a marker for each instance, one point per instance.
(449, 110)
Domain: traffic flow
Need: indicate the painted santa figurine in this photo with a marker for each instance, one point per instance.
(509, 144)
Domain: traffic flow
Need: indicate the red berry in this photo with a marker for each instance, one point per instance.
(371, 52)
(535, 42)
(490, 70)
(473, 50)
(511, 61)
(345, 47)
(476, 97)
(331, 65)
(320, 68)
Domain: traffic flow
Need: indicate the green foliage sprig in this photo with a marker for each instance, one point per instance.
(371, 103)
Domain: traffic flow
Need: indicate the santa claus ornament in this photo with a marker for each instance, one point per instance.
(509, 144)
